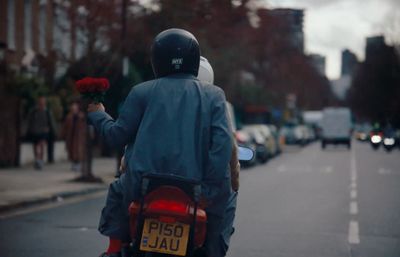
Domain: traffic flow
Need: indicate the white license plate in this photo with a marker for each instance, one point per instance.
(169, 238)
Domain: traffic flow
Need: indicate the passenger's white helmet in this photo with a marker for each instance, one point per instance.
(206, 72)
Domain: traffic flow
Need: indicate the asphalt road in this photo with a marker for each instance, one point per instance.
(305, 203)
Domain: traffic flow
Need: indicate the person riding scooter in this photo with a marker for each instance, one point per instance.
(389, 137)
(174, 124)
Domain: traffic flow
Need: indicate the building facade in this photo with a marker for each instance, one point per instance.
(341, 86)
(319, 62)
(349, 62)
(26, 28)
(294, 18)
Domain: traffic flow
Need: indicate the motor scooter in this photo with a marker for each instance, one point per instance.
(376, 139)
(169, 218)
(389, 143)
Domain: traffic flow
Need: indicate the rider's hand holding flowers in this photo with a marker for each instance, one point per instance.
(93, 90)
(96, 107)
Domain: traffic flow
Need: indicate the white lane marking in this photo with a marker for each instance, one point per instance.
(353, 208)
(353, 171)
(353, 176)
(353, 168)
(353, 237)
(383, 171)
(353, 194)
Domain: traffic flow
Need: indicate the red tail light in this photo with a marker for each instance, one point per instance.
(372, 133)
(168, 206)
(167, 200)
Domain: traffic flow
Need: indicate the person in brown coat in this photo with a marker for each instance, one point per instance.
(74, 134)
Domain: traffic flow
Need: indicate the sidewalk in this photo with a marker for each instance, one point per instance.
(25, 186)
(26, 155)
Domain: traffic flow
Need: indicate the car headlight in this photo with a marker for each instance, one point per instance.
(376, 139)
(388, 141)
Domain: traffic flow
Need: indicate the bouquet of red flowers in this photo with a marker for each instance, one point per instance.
(92, 89)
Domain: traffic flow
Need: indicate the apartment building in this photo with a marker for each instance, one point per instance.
(319, 62)
(26, 29)
(295, 19)
(349, 62)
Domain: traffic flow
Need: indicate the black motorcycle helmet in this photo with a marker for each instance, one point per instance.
(175, 51)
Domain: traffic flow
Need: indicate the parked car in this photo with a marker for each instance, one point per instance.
(279, 139)
(309, 133)
(243, 138)
(271, 142)
(293, 134)
(314, 132)
(262, 150)
(313, 120)
(304, 134)
(287, 132)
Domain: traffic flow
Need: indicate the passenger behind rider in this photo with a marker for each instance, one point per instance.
(206, 74)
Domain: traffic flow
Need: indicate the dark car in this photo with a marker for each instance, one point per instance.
(243, 138)
(257, 138)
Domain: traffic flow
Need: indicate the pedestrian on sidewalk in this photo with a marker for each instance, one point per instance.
(40, 125)
(74, 134)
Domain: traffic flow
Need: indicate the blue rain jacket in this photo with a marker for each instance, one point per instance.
(176, 125)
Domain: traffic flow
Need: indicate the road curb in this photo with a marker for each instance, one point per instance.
(53, 198)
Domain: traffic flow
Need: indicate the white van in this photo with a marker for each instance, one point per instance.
(336, 126)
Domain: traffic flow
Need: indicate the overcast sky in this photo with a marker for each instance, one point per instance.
(332, 25)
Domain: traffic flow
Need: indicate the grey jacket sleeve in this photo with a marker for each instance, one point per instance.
(118, 133)
(219, 153)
